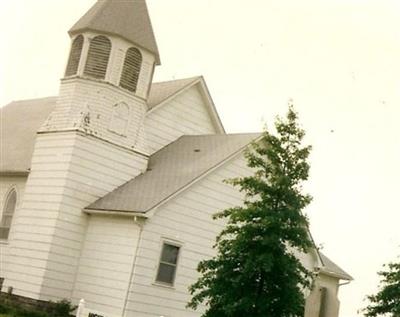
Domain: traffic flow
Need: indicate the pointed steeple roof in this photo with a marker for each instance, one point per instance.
(128, 19)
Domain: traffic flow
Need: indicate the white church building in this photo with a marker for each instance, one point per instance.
(107, 191)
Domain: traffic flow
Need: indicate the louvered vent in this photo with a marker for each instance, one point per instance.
(131, 69)
(74, 56)
(98, 56)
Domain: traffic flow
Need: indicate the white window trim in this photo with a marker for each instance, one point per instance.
(175, 243)
(107, 68)
(139, 73)
(6, 196)
(80, 56)
(114, 116)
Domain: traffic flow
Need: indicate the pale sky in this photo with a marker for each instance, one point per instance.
(337, 59)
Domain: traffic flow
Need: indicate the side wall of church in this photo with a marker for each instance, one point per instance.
(7, 183)
(184, 114)
(187, 221)
(106, 263)
(323, 299)
(69, 171)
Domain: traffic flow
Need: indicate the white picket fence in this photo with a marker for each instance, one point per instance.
(83, 311)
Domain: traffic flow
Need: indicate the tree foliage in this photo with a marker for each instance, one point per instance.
(255, 272)
(387, 301)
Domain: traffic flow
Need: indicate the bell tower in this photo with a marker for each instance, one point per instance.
(108, 74)
(93, 142)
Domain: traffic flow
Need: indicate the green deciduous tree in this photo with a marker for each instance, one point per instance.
(387, 301)
(255, 272)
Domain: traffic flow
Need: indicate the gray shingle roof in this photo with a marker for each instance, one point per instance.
(331, 268)
(163, 90)
(19, 122)
(128, 19)
(171, 169)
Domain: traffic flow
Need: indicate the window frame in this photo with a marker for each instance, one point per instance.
(71, 57)
(174, 243)
(11, 190)
(90, 69)
(127, 78)
(115, 116)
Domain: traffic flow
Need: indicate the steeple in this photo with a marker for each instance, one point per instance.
(128, 19)
(108, 74)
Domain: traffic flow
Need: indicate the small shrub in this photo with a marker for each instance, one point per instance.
(4, 308)
(63, 308)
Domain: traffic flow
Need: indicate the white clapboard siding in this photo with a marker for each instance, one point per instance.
(106, 262)
(325, 300)
(6, 184)
(80, 98)
(74, 171)
(308, 260)
(184, 114)
(186, 219)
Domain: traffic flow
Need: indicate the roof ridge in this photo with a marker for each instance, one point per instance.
(179, 79)
(223, 134)
(28, 100)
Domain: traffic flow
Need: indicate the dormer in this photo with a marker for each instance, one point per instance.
(114, 43)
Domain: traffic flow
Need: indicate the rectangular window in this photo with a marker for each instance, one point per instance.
(168, 263)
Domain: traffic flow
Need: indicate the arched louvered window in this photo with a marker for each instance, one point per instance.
(98, 56)
(8, 212)
(74, 56)
(131, 69)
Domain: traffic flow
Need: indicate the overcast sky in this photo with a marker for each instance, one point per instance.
(337, 59)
